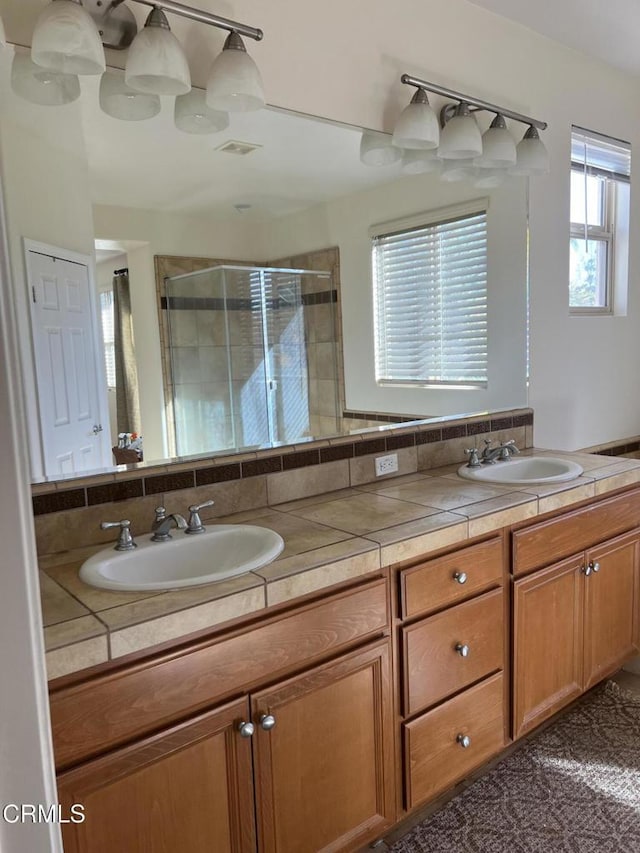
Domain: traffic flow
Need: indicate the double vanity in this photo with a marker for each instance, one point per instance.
(412, 628)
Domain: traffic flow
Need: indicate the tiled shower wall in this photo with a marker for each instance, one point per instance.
(322, 335)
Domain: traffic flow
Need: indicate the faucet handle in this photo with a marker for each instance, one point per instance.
(473, 462)
(161, 514)
(125, 539)
(195, 522)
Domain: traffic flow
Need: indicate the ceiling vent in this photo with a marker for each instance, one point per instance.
(235, 147)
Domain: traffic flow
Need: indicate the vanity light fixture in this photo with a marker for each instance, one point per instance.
(461, 138)
(235, 84)
(417, 127)
(70, 37)
(495, 151)
(66, 40)
(532, 156)
(156, 63)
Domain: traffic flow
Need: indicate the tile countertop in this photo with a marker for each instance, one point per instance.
(329, 538)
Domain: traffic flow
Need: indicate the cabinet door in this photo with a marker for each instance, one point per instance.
(324, 772)
(611, 606)
(188, 789)
(547, 633)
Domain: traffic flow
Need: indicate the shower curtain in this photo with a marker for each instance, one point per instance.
(127, 399)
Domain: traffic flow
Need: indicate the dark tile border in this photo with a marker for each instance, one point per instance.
(154, 484)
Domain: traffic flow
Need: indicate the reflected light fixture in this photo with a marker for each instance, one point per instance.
(156, 62)
(3, 37)
(235, 84)
(417, 126)
(121, 101)
(40, 86)
(376, 149)
(416, 162)
(66, 40)
(192, 114)
(487, 157)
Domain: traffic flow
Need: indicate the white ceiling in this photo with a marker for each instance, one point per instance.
(606, 29)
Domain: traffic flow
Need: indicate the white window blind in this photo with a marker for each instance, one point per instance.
(430, 284)
(106, 316)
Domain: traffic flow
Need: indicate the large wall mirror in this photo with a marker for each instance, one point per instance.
(238, 267)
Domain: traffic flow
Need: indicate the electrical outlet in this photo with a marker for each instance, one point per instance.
(386, 464)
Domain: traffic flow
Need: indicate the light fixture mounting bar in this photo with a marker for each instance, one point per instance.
(476, 102)
(204, 17)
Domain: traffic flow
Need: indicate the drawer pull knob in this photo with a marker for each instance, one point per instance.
(246, 729)
(460, 577)
(464, 741)
(595, 567)
(588, 569)
(267, 722)
(462, 650)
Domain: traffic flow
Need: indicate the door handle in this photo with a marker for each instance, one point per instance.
(97, 428)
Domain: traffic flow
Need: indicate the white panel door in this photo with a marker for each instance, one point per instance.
(69, 375)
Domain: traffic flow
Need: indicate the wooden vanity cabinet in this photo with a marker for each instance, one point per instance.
(575, 621)
(301, 765)
(452, 647)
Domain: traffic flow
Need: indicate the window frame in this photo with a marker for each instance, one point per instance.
(408, 225)
(607, 233)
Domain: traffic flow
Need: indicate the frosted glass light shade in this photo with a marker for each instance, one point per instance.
(192, 115)
(66, 40)
(457, 170)
(156, 62)
(417, 127)
(376, 149)
(235, 84)
(3, 36)
(532, 156)
(122, 102)
(460, 138)
(40, 86)
(498, 146)
(420, 162)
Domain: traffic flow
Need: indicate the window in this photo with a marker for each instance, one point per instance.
(600, 172)
(430, 291)
(106, 317)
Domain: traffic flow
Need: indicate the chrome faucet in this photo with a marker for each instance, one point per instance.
(504, 451)
(125, 539)
(163, 524)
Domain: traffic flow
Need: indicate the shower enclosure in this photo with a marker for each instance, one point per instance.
(253, 357)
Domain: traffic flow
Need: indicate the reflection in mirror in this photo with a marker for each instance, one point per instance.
(273, 190)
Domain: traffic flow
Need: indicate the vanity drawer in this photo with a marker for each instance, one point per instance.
(549, 541)
(434, 758)
(434, 668)
(435, 584)
(94, 715)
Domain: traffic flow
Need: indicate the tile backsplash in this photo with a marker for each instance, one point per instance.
(68, 513)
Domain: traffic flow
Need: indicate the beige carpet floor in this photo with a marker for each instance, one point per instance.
(575, 787)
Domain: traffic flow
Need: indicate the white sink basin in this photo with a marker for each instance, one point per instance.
(524, 471)
(222, 551)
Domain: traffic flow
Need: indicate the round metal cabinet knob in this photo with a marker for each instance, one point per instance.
(267, 722)
(246, 729)
(460, 577)
(464, 741)
(462, 650)
(595, 567)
